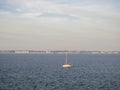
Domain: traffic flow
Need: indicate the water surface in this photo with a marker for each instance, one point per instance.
(45, 72)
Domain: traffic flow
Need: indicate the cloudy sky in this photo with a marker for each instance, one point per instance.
(60, 24)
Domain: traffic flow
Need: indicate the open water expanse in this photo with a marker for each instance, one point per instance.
(45, 72)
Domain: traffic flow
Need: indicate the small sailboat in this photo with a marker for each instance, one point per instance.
(66, 65)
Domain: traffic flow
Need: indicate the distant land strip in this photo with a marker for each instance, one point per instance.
(56, 52)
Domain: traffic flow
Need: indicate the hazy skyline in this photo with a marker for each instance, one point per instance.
(60, 24)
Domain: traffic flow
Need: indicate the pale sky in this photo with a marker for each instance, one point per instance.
(60, 25)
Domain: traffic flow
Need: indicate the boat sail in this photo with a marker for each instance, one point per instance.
(66, 65)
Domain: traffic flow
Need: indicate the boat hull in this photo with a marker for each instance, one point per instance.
(67, 65)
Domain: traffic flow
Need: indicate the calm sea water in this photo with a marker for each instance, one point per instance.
(45, 72)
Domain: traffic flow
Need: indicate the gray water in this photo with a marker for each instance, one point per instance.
(45, 72)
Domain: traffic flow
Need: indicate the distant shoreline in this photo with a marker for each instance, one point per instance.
(56, 52)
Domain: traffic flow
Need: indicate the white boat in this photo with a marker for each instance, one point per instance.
(66, 65)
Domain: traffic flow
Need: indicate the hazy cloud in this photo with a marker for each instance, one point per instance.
(81, 22)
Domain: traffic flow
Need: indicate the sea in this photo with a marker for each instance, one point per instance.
(45, 72)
